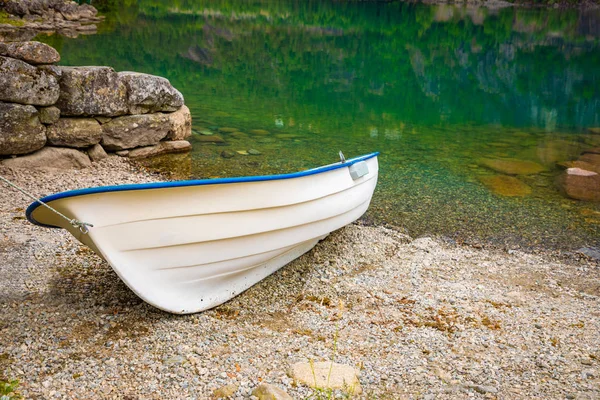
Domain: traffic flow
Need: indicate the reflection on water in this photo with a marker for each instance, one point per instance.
(471, 108)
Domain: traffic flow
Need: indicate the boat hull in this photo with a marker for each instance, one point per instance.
(192, 245)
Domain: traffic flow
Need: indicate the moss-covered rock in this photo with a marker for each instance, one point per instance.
(20, 129)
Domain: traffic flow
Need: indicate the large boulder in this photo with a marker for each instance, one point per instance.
(91, 91)
(50, 157)
(30, 52)
(180, 124)
(134, 131)
(166, 147)
(150, 93)
(25, 84)
(74, 132)
(20, 129)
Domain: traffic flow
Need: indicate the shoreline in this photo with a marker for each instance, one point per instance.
(418, 317)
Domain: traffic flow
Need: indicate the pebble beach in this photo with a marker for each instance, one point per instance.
(417, 318)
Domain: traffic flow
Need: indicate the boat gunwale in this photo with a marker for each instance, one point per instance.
(186, 183)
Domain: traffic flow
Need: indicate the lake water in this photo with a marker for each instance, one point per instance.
(434, 88)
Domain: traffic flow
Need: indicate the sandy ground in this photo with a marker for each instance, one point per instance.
(419, 318)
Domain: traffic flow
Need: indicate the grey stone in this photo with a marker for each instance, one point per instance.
(178, 146)
(591, 252)
(74, 132)
(134, 131)
(265, 391)
(97, 153)
(150, 93)
(254, 152)
(327, 375)
(180, 123)
(31, 52)
(91, 91)
(122, 153)
(483, 389)
(49, 115)
(25, 84)
(50, 157)
(20, 129)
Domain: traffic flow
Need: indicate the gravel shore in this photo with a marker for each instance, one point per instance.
(420, 318)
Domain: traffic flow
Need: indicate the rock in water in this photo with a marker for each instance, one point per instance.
(264, 391)
(91, 91)
(505, 185)
(259, 132)
(177, 146)
(24, 84)
(581, 184)
(30, 52)
(20, 129)
(511, 166)
(50, 157)
(327, 375)
(180, 124)
(150, 93)
(134, 131)
(74, 132)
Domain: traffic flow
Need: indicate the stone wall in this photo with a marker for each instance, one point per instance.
(55, 116)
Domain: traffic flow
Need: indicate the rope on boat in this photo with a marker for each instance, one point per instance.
(82, 226)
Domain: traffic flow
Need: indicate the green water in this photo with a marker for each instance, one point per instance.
(433, 88)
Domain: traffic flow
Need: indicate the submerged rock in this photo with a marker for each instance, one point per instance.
(177, 146)
(210, 139)
(25, 84)
(580, 184)
(327, 375)
(51, 157)
(259, 132)
(134, 131)
(21, 131)
(511, 166)
(91, 91)
(595, 131)
(227, 154)
(74, 132)
(150, 93)
(226, 129)
(505, 185)
(31, 52)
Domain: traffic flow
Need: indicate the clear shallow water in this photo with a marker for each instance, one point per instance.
(434, 88)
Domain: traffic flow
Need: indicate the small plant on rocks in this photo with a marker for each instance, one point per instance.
(8, 390)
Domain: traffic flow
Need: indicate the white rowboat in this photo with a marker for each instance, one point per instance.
(187, 246)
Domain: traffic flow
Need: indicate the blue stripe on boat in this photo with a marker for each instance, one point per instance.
(197, 182)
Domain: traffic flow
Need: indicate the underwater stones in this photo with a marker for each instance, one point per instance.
(20, 129)
(286, 136)
(580, 164)
(238, 135)
(25, 84)
(74, 132)
(580, 184)
(511, 166)
(254, 152)
(209, 139)
(595, 150)
(50, 157)
(226, 129)
(227, 154)
(132, 131)
(326, 375)
(91, 91)
(31, 52)
(49, 115)
(591, 158)
(595, 131)
(557, 150)
(180, 124)
(150, 93)
(505, 185)
(259, 132)
(166, 147)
